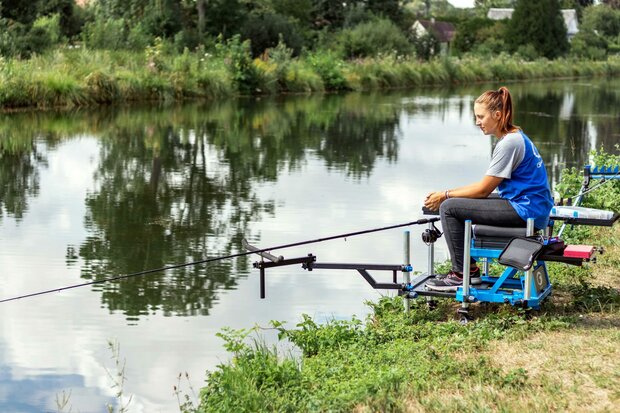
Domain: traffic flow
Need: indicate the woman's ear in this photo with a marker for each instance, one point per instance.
(497, 114)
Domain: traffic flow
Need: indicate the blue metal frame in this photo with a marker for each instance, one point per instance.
(509, 287)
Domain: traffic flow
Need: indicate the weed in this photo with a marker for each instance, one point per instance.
(118, 379)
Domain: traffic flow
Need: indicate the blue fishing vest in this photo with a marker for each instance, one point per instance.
(527, 190)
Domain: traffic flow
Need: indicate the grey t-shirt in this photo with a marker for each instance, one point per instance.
(507, 155)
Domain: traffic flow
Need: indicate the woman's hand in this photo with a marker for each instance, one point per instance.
(434, 199)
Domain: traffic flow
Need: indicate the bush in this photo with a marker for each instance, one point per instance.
(589, 45)
(266, 30)
(239, 59)
(330, 67)
(105, 34)
(371, 38)
(49, 26)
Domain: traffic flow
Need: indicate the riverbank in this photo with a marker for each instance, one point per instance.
(562, 358)
(80, 77)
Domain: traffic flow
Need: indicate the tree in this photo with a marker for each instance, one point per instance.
(468, 33)
(612, 3)
(390, 9)
(225, 17)
(539, 23)
(602, 19)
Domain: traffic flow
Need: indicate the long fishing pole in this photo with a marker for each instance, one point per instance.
(220, 258)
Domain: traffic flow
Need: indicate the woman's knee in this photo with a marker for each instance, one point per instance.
(448, 205)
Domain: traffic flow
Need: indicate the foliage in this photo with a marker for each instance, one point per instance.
(266, 30)
(468, 34)
(606, 196)
(426, 46)
(539, 23)
(372, 38)
(602, 19)
(106, 34)
(587, 44)
(329, 67)
(237, 54)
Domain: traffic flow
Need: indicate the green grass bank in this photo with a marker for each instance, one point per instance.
(82, 77)
(564, 357)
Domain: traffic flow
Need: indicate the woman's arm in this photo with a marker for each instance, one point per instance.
(480, 189)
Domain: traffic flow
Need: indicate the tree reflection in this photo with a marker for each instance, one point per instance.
(20, 160)
(178, 186)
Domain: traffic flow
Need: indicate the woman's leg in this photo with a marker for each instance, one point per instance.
(485, 211)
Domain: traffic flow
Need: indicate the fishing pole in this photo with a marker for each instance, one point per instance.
(220, 258)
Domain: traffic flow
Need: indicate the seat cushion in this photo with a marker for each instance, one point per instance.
(486, 236)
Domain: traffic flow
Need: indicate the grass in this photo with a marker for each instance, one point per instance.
(82, 77)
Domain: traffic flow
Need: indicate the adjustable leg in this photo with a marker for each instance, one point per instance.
(464, 310)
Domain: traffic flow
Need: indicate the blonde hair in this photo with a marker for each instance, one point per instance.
(499, 100)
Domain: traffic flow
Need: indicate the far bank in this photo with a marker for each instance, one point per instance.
(81, 77)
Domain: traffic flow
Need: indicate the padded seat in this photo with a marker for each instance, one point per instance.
(487, 236)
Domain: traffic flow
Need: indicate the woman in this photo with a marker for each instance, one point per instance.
(516, 170)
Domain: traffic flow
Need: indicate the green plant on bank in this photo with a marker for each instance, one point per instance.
(602, 194)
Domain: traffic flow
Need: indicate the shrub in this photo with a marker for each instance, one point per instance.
(239, 59)
(49, 26)
(330, 67)
(101, 87)
(589, 45)
(105, 34)
(373, 37)
(267, 30)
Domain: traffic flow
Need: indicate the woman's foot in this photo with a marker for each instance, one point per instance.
(453, 280)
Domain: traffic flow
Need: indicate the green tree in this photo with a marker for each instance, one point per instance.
(331, 14)
(390, 9)
(19, 10)
(468, 33)
(602, 19)
(265, 30)
(539, 23)
(225, 17)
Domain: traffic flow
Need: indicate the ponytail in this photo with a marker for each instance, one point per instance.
(499, 100)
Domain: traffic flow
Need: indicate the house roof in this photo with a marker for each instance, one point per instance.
(499, 14)
(443, 30)
(569, 16)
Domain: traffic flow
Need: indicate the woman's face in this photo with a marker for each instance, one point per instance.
(486, 120)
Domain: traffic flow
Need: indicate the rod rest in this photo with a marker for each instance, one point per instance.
(258, 251)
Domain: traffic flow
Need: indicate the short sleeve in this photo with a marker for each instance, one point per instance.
(507, 155)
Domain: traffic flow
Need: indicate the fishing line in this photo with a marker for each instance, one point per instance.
(220, 258)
